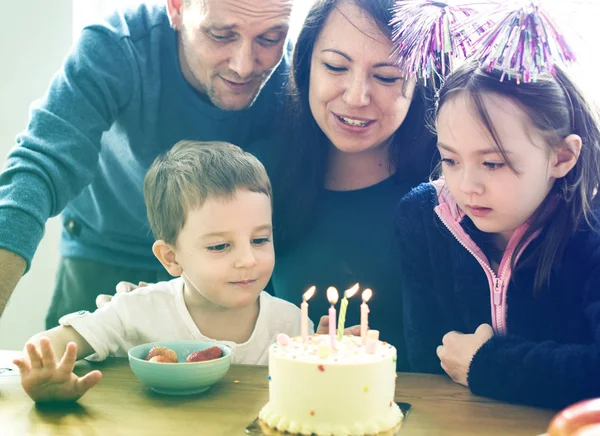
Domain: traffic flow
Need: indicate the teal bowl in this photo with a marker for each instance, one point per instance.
(179, 378)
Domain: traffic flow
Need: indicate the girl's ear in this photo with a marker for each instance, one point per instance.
(566, 156)
(165, 253)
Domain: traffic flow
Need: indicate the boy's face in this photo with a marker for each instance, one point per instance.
(226, 250)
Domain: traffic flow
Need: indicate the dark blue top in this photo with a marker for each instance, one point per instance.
(550, 356)
(351, 241)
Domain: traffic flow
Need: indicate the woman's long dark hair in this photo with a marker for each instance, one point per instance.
(299, 177)
(557, 108)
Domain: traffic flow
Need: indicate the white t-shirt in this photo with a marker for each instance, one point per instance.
(158, 313)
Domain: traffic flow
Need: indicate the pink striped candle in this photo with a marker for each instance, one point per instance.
(332, 296)
(364, 315)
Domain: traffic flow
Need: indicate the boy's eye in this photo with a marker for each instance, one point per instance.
(217, 248)
(494, 165)
(260, 241)
(334, 68)
(448, 161)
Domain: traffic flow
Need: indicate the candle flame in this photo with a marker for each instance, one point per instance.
(350, 292)
(309, 293)
(366, 295)
(332, 295)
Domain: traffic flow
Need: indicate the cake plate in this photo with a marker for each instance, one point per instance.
(258, 427)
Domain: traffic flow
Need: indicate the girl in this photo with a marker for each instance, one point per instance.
(511, 225)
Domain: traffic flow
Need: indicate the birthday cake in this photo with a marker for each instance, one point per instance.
(345, 391)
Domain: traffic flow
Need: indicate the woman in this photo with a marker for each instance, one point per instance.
(359, 143)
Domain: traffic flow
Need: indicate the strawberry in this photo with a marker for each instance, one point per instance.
(208, 354)
(169, 354)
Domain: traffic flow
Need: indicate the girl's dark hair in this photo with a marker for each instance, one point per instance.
(300, 176)
(557, 108)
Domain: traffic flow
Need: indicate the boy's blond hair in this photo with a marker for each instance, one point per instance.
(184, 177)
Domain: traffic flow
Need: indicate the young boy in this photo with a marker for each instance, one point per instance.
(209, 207)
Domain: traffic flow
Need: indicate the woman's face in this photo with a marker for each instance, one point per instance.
(356, 92)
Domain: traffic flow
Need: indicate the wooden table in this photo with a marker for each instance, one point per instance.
(121, 405)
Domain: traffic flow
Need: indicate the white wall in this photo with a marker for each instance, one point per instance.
(36, 36)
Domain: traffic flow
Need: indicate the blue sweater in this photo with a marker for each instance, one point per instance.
(118, 102)
(550, 356)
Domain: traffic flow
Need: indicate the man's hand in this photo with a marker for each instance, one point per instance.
(46, 380)
(121, 288)
(12, 267)
(323, 328)
(457, 351)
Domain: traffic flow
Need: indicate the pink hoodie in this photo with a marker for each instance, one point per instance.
(451, 216)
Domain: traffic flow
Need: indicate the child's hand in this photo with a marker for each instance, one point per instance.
(45, 380)
(323, 328)
(458, 350)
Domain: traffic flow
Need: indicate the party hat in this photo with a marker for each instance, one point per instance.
(523, 42)
(427, 43)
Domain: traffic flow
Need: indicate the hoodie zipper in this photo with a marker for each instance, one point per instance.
(495, 283)
(498, 283)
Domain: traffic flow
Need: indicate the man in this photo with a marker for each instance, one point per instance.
(129, 90)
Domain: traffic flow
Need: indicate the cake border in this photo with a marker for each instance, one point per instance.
(259, 428)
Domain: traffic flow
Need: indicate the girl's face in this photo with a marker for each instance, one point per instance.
(497, 199)
(356, 92)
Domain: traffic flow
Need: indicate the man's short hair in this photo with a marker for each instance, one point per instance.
(191, 172)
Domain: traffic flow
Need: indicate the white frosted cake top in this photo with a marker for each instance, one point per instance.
(317, 349)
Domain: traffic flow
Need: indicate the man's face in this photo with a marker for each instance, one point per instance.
(229, 48)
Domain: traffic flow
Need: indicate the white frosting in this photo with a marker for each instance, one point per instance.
(348, 392)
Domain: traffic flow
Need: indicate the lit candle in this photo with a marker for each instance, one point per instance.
(364, 315)
(332, 296)
(304, 313)
(342, 318)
